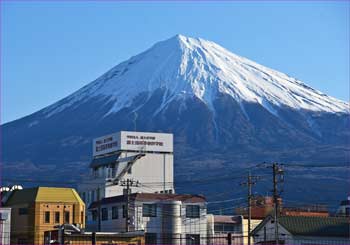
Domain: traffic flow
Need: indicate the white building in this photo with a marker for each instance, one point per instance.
(5, 226)
(219, 226)
(303, 230)
(145, 158)
(344, 208)
(165, 218)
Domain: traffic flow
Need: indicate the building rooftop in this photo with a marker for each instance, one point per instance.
(312, 226)
(187, 198)
(43, 194)
(228, 219)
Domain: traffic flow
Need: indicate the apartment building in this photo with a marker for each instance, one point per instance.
(165, 218)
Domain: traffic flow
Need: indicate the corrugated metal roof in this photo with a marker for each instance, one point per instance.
(53, 194)
(44, 194)
(316, 226)
(101, 161)
(311, 226)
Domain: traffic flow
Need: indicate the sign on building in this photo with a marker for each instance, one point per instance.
(133, 141)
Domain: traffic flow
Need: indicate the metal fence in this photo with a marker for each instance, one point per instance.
(123, 239)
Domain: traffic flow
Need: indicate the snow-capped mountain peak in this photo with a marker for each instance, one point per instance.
(186, 66)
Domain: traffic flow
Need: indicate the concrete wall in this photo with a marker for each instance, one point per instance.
(5, 226)
(150, 169)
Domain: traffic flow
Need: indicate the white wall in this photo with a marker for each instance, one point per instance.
(151, 171)
(5, 226)
(270, 233)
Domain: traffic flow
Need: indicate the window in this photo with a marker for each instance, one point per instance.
(347, 211)
(192, 211)
(149, 210)
(124, 211)
(23, 211)
(115, 212)
(82, 216)
(57, 217)
(104, 214)
(226, 228)
(129, 168)
(192, 239)
(94, 215)
(92, 196)
(22, 241)
(47, 217)
(151, 238)
(66, 217)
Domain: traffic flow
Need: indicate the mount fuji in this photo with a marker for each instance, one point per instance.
(225, 112)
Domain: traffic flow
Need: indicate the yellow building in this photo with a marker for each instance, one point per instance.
(40, 209)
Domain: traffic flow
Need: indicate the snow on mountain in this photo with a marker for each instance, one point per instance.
(187, 66)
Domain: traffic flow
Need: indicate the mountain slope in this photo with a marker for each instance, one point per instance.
(186, 66)
(223, 109)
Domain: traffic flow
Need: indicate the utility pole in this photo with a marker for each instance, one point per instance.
(127, 205)
(127, 191)
(276, 171)
(250, 182)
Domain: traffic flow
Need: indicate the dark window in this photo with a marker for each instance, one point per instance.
(124, 211)
(66, 217)
(57, 217)
(82, 216)
(149, 210)
(226, 228)
(47, 217)
(23, 211)
(92, 196)
(22, 241)
(129, 168)
(151, 238)
(94, 215)
(104, 214)
(218, 227)
(115, 212)
(347, 211)
(168, 238)
(192, 211)
(192, 239)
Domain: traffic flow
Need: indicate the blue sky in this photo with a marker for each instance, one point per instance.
(50, 49)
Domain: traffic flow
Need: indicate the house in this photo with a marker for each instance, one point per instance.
(165, 218)
(219, 226)
(303, 230)
(5, 225)
(141, 156)
(36, 210)
(344, 208)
